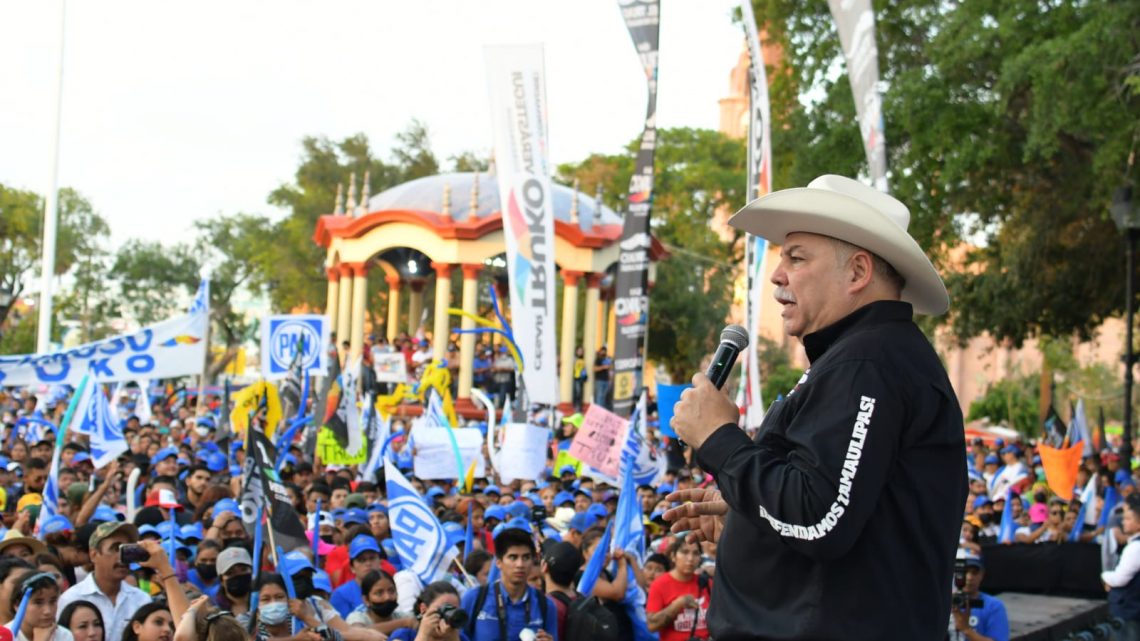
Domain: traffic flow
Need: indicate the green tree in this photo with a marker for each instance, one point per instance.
(154, 279)
(697, 173)
(1012, 120)
(295, 270)
(81, 239)
(777, 376)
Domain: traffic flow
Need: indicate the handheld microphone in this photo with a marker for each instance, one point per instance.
(733, 341)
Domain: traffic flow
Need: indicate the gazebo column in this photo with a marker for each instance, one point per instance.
(590, 336)
(602, 316)
(359, 298)
(441, 330)
(467, 341)
(331, 295)
(415, 306)
(344, 311)
(394, 286)
(569, 333)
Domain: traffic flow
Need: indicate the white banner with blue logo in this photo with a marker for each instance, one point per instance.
(172, 348)
(93, 419)
(420, 539)
(282, 335)
(516, 79)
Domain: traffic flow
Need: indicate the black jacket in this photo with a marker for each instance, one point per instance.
(847, 507)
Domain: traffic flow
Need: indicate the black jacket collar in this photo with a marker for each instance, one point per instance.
(876, 313)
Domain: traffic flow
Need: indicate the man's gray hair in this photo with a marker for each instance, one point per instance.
(882, 270)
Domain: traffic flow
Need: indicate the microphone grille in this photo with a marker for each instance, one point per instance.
(735, 335)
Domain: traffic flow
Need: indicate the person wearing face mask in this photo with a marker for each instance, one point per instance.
(273, 619)
(378, 611)
(204, 574)
(364, 553)
(315, 612)
(235, 567)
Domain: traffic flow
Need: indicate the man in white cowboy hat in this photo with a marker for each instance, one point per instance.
(841, 518)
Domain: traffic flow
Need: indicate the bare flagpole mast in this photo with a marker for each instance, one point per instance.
(51, 205)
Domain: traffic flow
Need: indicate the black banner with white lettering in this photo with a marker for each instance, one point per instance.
(631, 291)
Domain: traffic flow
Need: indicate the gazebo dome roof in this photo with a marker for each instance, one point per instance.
(426, 194)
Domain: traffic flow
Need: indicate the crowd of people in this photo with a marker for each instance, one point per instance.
(531, 542)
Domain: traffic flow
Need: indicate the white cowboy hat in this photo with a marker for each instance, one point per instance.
(853, 212)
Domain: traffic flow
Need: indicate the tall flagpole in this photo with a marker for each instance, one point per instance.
(51, 204)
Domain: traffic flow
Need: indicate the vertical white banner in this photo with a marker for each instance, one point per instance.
(855, 21)
(518, 117)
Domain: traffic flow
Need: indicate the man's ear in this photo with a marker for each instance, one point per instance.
(861, 268)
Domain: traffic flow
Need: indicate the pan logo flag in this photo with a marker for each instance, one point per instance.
(420, 539)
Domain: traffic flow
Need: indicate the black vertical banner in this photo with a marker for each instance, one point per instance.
(631, 293)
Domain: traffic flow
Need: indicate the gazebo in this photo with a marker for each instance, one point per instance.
(416, 231)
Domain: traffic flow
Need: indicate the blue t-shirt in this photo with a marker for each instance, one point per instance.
(481, 378)
(409, 634)
(990, 620)
(347, 598)
(526, 613)
(209, 590)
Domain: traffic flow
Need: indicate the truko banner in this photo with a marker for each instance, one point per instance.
(517, 85)
(856, 23)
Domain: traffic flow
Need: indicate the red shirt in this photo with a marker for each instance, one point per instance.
(665, 590)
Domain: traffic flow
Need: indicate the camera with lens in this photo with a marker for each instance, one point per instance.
(960, 600)
(453, 616)
(538, 513)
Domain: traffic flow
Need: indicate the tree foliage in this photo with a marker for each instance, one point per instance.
(1008, 120)
(294, 271)
(697, 172)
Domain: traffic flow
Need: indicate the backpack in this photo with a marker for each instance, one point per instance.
(587, 619)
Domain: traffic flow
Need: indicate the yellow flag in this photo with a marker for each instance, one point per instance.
(247, 402)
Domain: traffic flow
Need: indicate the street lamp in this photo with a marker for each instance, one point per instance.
(1127, 220)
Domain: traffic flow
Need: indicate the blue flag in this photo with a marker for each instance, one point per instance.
(1111, 500)
(469, 536)
(597, 562)
(50, 505)
(1008, 527)
(420, 540)
(629, 529)
(93, 418)
(1087, 496)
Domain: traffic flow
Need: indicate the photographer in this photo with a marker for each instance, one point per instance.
(975, 616)
(438, 616)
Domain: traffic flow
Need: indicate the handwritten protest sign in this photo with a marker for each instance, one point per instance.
(599, 441)
(331, 453)
(523, 455)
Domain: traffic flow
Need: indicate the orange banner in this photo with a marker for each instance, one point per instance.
(1061, 467)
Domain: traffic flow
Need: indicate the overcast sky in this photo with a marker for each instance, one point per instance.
(176, 111)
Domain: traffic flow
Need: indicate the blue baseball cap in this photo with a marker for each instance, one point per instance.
(435, 491)
(338, 513)
(106, 513)
(236, 445)
(513, 524)
(295, 562)
(322, 582)
(563, 498)
(227, 505)
(551, 534)
(162, 455)
(534, 497)
(567, 469)
(582, 522)
(56, 524)
(356, 515)
(998, 442)
(992, 459)
(215, 462)
(166, 529)
(492, 489)
(149, 530)
(361, 544)
(80, 457)
(517, 510)
(974, 561)
(455, 532)
(204, 421)
(657, 514)
(1011, 449)
(378, 507)
(497, 512)
(981, 500)
(192, 532)
(235, 470)
(598, 511)
(665, 488)
(1122, 475)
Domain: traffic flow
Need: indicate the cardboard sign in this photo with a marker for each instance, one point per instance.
(599, 441)
(331, 453)
(523, 455)
(390, 368)
(434, 455)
